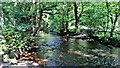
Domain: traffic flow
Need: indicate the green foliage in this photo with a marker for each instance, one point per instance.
(20, 18)
(12, 38)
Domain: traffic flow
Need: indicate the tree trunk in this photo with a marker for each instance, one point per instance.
(113, 22)
(113, 25)
(106, 27)
(119, 23)
(62, 30)
(76, 17)
(39, 23)
(67, 21)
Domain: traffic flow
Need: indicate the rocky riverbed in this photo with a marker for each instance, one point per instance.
(20, 64)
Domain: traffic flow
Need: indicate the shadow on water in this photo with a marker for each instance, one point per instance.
(63, 51)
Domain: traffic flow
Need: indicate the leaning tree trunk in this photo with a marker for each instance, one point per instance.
(113, 25)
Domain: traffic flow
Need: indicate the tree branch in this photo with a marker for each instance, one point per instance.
(48, 13)
(48, 8)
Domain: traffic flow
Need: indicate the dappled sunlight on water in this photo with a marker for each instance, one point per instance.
(67, 51)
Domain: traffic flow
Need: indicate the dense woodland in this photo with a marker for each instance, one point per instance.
(22, 22)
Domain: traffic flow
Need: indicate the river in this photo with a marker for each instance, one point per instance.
(63, 51)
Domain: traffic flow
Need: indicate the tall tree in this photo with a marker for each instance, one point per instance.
(113, 20)
(76, 16)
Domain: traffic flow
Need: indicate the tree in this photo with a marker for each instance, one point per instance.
(112, 18)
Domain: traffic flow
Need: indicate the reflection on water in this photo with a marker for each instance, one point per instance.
(63, 51)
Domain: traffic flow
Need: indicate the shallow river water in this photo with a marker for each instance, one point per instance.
(63, 51)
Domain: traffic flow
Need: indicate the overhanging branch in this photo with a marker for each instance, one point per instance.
(49, 8)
